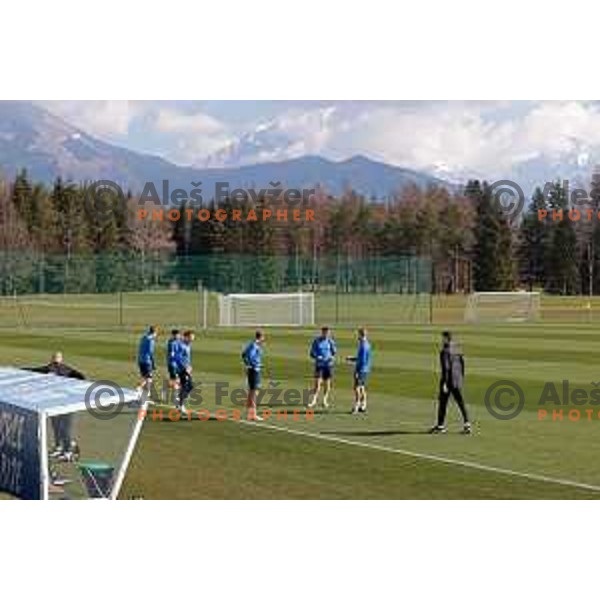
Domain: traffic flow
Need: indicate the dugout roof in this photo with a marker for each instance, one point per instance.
(54, 395)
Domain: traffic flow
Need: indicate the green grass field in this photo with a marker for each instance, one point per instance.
(384, 454)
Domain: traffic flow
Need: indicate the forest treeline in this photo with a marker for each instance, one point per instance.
(465, 235)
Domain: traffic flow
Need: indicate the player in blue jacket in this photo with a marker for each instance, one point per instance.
(362, 368)
(146, 364)
(173, 344)
(183, 361)
(323, 351)
(252, 358)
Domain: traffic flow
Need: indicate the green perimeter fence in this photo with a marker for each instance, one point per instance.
(133, 290)
(197, 309)
(27, 274)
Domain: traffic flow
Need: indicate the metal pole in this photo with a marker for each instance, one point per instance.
(337, 289)
(471, 287)
(140, 418)
(455, 282)
(205, 308)
(121, 309)
(43, 446)
(431, 291)
(297, 267)
(42, 283)
(314, 265)
(200, 311)
(591, 276)
(590, 270)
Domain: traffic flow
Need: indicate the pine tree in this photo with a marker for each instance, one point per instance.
(493, 268)
(533, 241)
(593, 250)
(561, 250)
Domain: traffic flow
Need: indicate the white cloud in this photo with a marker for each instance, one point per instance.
(462, 138)
(167, 129)
(106, 119)
(172, 121)
(484, 139)
(193, 136)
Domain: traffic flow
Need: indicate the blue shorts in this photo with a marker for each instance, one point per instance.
(253, 379)
(145, 370)
(173, 370)
(360, 378)
(323, 372)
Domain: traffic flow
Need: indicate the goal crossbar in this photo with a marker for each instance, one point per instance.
(502, 307)
(270, 310)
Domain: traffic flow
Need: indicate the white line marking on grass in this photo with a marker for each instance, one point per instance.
(431, 457)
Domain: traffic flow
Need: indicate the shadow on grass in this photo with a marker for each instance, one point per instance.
(375, 433)
(328, 411)
(194, 419)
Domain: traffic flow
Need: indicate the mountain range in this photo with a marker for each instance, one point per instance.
(47, 146)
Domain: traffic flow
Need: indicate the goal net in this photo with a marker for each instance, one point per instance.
(502, 307)
(250, 310)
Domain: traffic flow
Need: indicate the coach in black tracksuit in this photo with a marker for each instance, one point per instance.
(452, 366)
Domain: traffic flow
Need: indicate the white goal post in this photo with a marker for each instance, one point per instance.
(254, 310)
(490, 307)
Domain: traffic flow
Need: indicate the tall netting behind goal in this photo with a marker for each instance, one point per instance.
(251, 310)
(497, 307)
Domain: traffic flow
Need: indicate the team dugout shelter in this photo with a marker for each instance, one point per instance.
(104, 421)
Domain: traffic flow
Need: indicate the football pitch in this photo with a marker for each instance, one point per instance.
(384, 454)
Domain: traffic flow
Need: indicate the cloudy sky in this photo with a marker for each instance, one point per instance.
(455, 139)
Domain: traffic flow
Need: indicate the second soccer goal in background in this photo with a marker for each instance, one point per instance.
(486, 307)
(253, 310)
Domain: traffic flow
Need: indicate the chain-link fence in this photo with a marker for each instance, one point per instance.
(131, 291)
(25, 274)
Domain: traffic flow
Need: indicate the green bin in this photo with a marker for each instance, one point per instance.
(97, 477)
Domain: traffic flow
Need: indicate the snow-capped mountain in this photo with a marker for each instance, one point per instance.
(285, 137)
(48, 147)
(319, 145)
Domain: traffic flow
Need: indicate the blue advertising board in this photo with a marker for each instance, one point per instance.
(19, 452)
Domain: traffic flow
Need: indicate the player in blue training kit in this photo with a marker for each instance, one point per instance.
(323, 351)
(173, 344)
(146, 364)
(362, 368)
(184, 368)
(252, 357)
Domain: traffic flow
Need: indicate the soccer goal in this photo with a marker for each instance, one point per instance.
(486, 307)
(252, 310)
